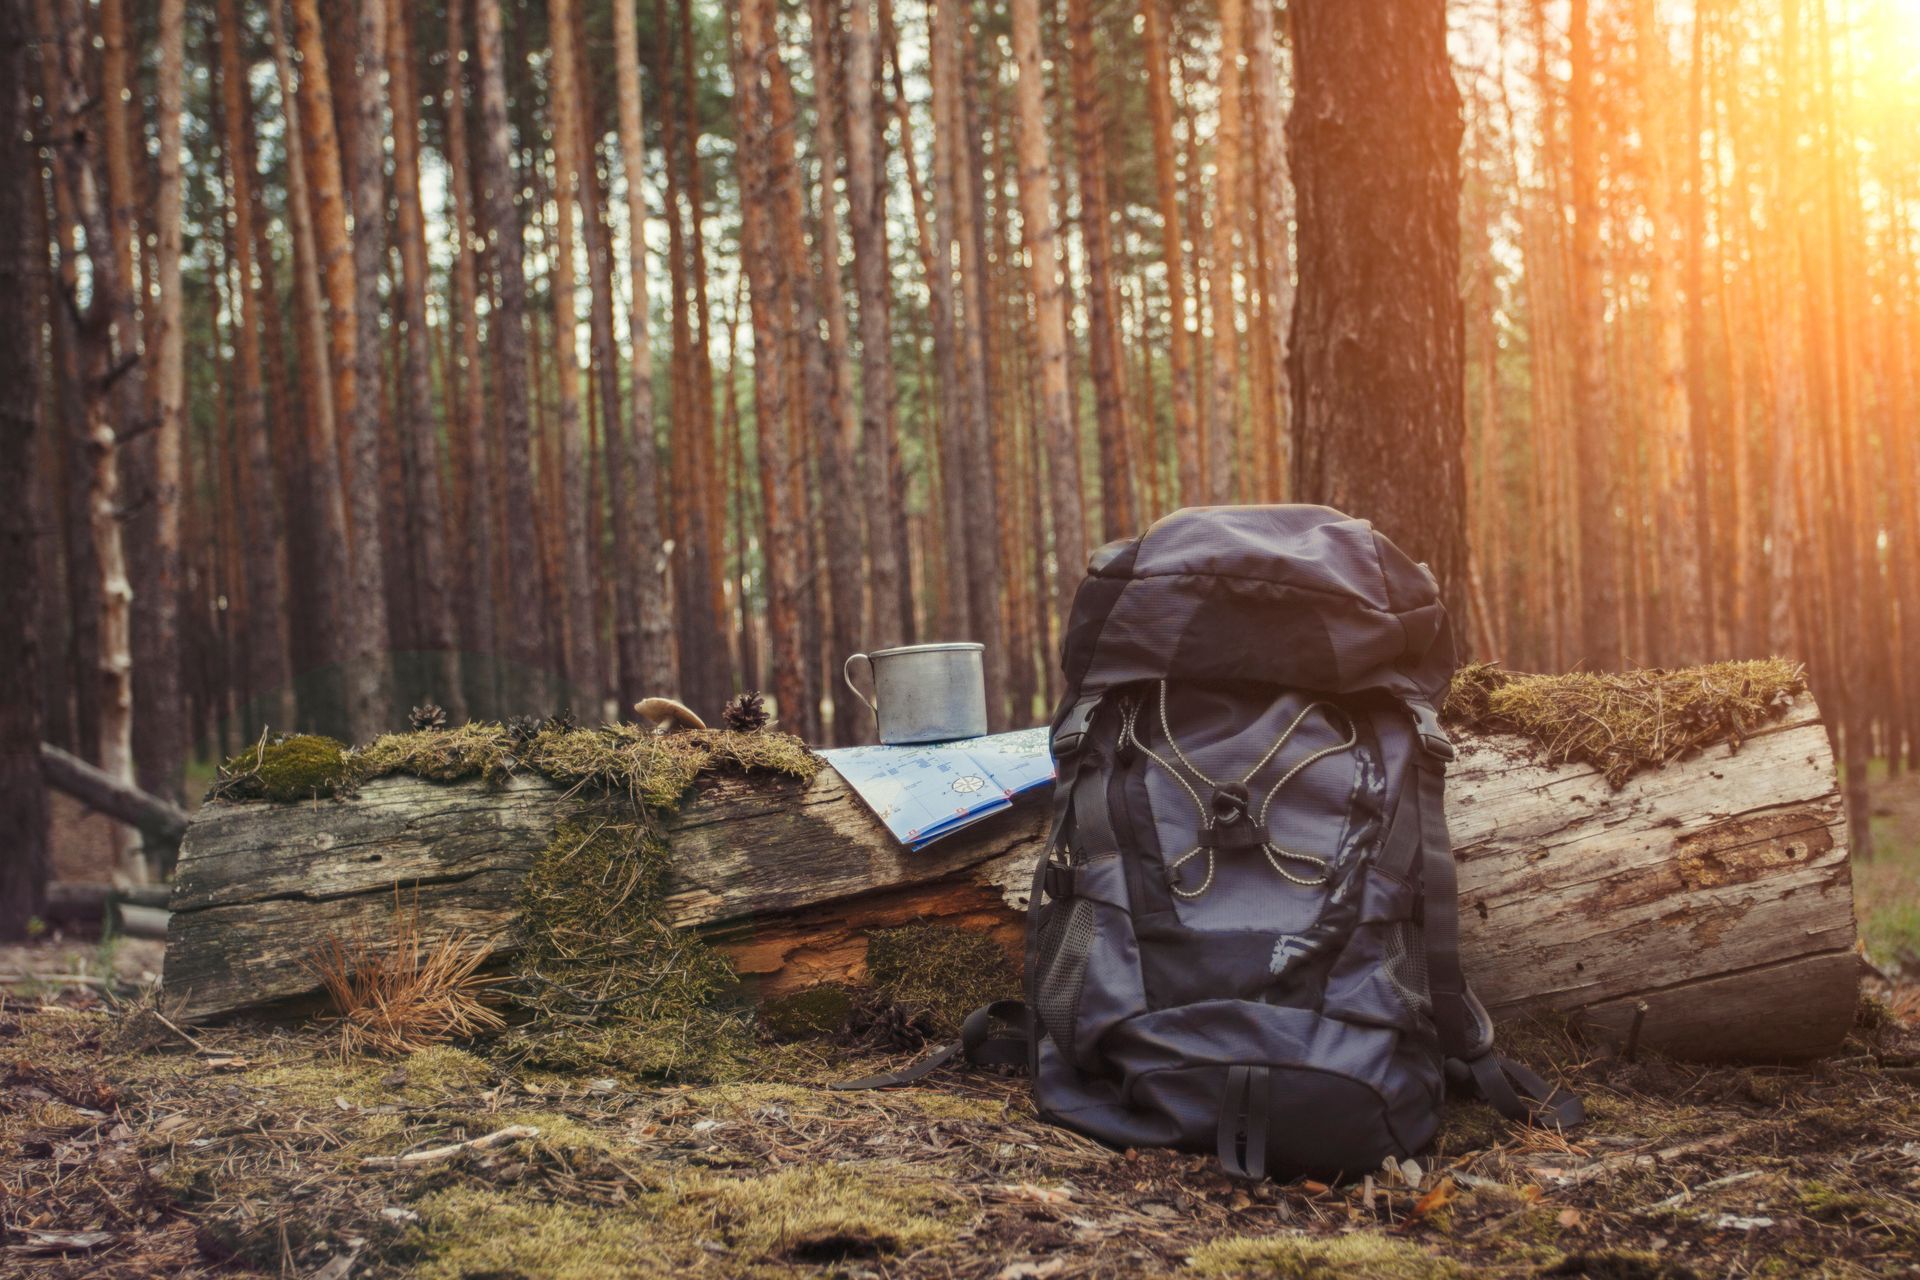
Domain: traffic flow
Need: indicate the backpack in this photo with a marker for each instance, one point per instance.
(1243, 936)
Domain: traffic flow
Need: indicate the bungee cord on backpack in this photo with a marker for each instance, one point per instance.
(1228, 823)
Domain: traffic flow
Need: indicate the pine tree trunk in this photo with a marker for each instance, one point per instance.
(419, 427)
(1040, 233)
(527, 690)
(772, 287)
(1376, 362)
(1600, 638)
(1272, 213)
(326, 187)
(75, 161)
(469, 425)
(883, 495)
(268, 683)
(973, 450)
(1119, 516)
(825, 416)
(581, 648)
(160, 693)
(949, 342)
(323, 498)
(1224, 484)
(24, 859)
(646, 646)
(1155, 17)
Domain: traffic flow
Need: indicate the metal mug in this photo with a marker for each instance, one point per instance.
(925, 692)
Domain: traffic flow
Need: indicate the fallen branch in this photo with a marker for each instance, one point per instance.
(162, 820)
(499, 1137)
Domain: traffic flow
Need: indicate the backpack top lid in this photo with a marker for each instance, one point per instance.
(1298, 596)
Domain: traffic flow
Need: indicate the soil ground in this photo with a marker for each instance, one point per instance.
(130, 1148)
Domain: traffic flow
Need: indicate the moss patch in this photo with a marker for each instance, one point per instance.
(1622, 722)
(608, 983)
(303, 767)
(656, 769)
(826, 1214)
(653, 770)
(1364, 1253)
(944, 971)
(442, 755)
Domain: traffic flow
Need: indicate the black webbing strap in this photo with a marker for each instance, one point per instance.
(1466, 1031)
(1242, 1140)
(1519, 1093)
(977, 1046)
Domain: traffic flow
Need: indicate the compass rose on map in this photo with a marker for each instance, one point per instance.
(969, 784)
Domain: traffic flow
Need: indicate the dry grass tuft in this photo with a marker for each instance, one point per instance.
(1622, 722)
(405, 994)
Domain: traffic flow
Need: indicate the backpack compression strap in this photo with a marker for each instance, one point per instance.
(1466, 1032)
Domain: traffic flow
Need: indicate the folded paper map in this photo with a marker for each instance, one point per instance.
(935, 789)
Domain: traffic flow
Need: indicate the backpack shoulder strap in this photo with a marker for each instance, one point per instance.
(1466, 1030)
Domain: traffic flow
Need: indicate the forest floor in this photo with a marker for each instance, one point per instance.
(130, 1148)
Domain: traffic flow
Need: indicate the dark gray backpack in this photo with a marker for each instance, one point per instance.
(1244, 937)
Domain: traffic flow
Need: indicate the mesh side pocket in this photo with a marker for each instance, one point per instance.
(1406, 966)
(1066, 940)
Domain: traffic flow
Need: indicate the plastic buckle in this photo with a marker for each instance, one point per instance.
(1072, 733)
(1426, 726)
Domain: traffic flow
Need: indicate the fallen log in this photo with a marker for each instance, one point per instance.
(1713, 891)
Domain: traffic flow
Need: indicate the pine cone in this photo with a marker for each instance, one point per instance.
(428, 716)
(560, 721)
(524, 729)
(746, 713)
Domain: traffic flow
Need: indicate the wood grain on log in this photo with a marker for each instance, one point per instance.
(1716, 891)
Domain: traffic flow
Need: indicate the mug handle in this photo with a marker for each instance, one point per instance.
(846, 673)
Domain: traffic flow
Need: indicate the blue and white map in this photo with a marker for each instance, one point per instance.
(935, 789)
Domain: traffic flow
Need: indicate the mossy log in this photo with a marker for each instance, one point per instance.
(1715, 890)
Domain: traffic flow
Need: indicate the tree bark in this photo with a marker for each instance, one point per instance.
(578, 518)
(1224, 483)
(1272, 213)
(162, 729)
(1716, 891)
(527, 690)
(1039, 233)
(646, 646)
(1593, 430)
(1376, 363)
(106, 357)
(469, 425)
(24, 860)
(1155, 17)
(1119, 516)
(269, 685)
(323, 499)
(884, 495)
(419, 428)
(772, 285)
